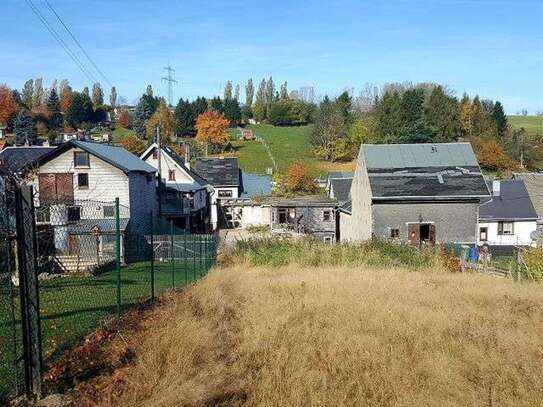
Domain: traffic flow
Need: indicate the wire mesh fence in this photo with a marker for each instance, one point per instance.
(94, 261)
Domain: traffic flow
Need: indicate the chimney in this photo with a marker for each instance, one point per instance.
(187, 155)
(496, 188)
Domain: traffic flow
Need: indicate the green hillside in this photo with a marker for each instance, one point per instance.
(532, 124)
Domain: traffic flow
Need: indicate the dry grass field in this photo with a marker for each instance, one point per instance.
(337, 336)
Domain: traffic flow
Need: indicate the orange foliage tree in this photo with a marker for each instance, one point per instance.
(8, 106)
(492, 156)
(212, 128)
(66, 98)
(133, 144)
(163, 118)
(124, 119)
(299, 179)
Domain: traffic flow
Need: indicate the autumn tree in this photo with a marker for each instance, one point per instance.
(299, 179)
(66, 98)
(133, 144)
(8, 106)
(492, 156)
(124, 119)
(212, 129)
(163, 118)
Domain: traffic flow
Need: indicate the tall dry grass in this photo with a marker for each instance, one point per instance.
(296, 336)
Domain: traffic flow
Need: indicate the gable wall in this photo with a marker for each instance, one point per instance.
(167, 164)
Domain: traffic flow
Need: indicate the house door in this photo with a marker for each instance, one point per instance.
(421, 233)
(413, 233)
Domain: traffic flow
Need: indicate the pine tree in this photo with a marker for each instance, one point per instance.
(53, 106)
(97, 95)
(39, 94)
(388, 117)
(184, 118)
(236, 93)
(232, 111)
(149, 91)
(228, 91)
(113, 97)
(345, 105)
(249, 92)
(145, 108)
(86, 91)
(500, 118)
(25, 128)
(199, 106)
(414, 127)
(442, 115)
(217, 105)
(80, 110)
(27, 93)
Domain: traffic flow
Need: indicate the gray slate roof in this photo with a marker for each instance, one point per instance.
(513, 203)
(341, 188)
(219, 171)
(424, 171)
(15, 159)
(116, 156)
(534, 185)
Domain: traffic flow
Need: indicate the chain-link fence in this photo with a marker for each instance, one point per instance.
(11, 367)
(94, 260)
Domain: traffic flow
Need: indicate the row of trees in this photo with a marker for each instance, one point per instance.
(423, 113)
(37, 112)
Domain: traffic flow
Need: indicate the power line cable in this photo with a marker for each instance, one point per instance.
(78, 43)
(60, 41)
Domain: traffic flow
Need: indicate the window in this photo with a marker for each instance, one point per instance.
(483, 234)
(81, 159)
(171, 175)
(505, 228)
(394, 233)
(328, 239)
(155, 153)
(74, 213)
(43, 215)
(109, 211)
(225, 194)
(83, 181)
(327, 216)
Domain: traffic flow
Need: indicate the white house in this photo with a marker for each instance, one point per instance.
(184, 198)
(75, 187)
(223, 174)
(509, 217)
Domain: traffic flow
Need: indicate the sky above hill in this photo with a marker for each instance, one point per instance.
(490, 47)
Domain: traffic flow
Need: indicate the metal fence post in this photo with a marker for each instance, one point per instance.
(118, 254)
(171, 254)
(29, 289)
(152, 260)
(185, 260)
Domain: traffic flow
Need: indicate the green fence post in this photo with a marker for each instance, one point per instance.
(171, 254)
(193, 259)
(152, 260)
(118, 254)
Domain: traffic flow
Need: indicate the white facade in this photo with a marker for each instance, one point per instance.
(215, 197)
(488, 233)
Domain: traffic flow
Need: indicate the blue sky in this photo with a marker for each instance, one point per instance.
(490, 47)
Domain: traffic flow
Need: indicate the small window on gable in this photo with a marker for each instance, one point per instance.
(225, 193)
(171, 175)
(327, 216)
(81, 159)
(83, 181)
(155, 153)
(394, 233)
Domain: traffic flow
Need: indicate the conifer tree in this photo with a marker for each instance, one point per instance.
(25, 128)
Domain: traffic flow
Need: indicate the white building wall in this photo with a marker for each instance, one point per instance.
(520, 236)
(255, 216)
(106, 182)
(215, 200)
(358, 226)
(167, 164)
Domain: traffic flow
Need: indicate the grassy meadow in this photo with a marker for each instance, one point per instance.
(532, 124)
(342, 332)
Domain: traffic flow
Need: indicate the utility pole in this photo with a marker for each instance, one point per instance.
(159, 158)
(170, 80)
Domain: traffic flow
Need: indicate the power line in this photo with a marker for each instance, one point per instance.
(60, 41)
(78, 43)
(170, 80)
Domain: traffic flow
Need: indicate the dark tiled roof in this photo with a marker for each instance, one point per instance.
(534, 184)
(341, 188)
(428, 182)
(219, 171)
(16, 159)
(512, 203)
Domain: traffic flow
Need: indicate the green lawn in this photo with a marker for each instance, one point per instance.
(120, 132)
(532, 124)
(72, 307)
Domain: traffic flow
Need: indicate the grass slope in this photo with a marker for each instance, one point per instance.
(532, 124)
(299, 335)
